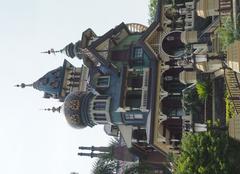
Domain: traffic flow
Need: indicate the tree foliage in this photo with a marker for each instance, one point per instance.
(139, 168)
(226, 32)
(105, 165)
(207, 153)
(203, 90)
(230, 111)
(152, 10)
(192, 103)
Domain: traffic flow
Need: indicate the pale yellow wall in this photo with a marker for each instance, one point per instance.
(207, 8)
(233, 56)
(189, 37)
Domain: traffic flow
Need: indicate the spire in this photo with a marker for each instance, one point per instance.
(53, 109)
(93, 148)
(92, 155)
(23, 85)
(52, 51)
(69, 50)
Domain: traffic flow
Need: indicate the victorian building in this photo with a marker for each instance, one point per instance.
(132, 79)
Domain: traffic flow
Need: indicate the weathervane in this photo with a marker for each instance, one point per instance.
(53, 109)
(23, 85)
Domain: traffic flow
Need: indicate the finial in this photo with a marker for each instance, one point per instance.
(51, 51)
(23, 85)
(53, 109)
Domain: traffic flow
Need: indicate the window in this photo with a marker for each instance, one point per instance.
(133, 116)
(138, 53)
(137, 58)
(99, 117)
(44, 80)
(57, 72)
(178, 112)
(54, 84)
(135, 80)
(103, 81)
(99, 105)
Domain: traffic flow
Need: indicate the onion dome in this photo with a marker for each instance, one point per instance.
(76, 109)
(69, 50)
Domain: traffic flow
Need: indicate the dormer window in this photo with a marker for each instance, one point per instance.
(57, 73)
(103, 81)
(43, 81)
(54, 84)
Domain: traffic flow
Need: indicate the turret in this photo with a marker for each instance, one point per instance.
(59, 82)
(83, 109)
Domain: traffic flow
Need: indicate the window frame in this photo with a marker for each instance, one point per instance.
(99, 105)
(99, 117)
(133, 116)
(137, 53)
(103, 83)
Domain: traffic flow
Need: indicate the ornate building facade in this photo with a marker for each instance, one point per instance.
(132, 79)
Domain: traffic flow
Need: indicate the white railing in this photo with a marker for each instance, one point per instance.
(145, 89)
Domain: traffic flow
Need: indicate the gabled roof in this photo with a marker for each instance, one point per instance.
(51, 82)
(109, 33)
(149, 30)
(103, 38)
(153, 27)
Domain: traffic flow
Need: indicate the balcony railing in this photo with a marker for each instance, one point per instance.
(145, 89)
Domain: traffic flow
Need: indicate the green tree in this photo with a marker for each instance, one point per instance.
(227, 33)
(192, 103)
(152, 10)
(106, 163)
(211, 152)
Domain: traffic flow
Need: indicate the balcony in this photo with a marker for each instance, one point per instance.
(144, 96)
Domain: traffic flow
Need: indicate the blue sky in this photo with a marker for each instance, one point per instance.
(35, 141)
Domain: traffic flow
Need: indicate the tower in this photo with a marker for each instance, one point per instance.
(59, 82)
(116, 152)
(80, 49)
(83, 109)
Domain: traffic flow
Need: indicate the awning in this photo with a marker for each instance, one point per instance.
(126, 132)
(148, 127)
